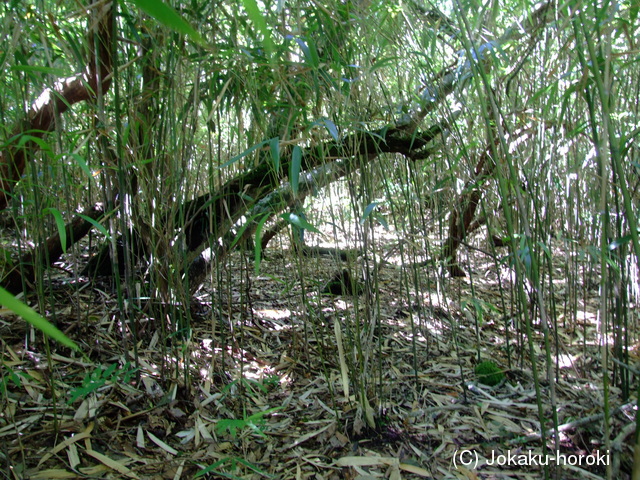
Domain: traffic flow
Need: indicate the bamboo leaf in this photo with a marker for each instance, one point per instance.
(96, 224)
(259, 21)
(44, 146)
(299, 222)
(62, 231)
(241, 230)
(294, 169)
(274, 146)
(331, 127)
(310, 52)
(245, 153)
(368, 210)
(56, 72)
(384, 62)
(35, 319)
(167, 16)
(82, 163)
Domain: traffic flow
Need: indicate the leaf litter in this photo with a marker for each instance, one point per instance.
(270, 386)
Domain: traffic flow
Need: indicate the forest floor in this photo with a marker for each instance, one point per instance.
(260, 389)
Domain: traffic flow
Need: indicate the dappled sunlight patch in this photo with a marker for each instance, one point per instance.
(587, 317)
(565, 360)
(273, 314)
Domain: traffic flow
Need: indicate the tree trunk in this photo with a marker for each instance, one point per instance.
(52, 102)
(51, 250)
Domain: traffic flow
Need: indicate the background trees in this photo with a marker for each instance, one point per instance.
(173, 135)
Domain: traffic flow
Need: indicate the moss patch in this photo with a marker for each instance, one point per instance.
(488, 373)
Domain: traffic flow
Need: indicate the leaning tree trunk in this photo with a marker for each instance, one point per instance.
(204, 213)
(461, 218)
(41, 118)
(52, 102)
(403, 138)
(208, 210)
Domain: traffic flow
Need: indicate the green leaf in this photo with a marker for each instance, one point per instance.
(24, 138)
(212, 469)
(248, 464)
(93, 381)
(96, 224)
(367, 211)
(62, 231)
(166, 15)
(333, 130)
(56, 72)
(35, 319)
(259, 21)
(245, 153)
(310, 52)
(371, 214)
(294, 169)
(82, 163)
(618, 242)
(242, 229)
(274, 146)
(384, 62)
(299, 222)
(259, 415)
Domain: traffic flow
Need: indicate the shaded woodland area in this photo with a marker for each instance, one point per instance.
(350, 239)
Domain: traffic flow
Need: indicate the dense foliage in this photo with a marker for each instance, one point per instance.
(162, 137)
